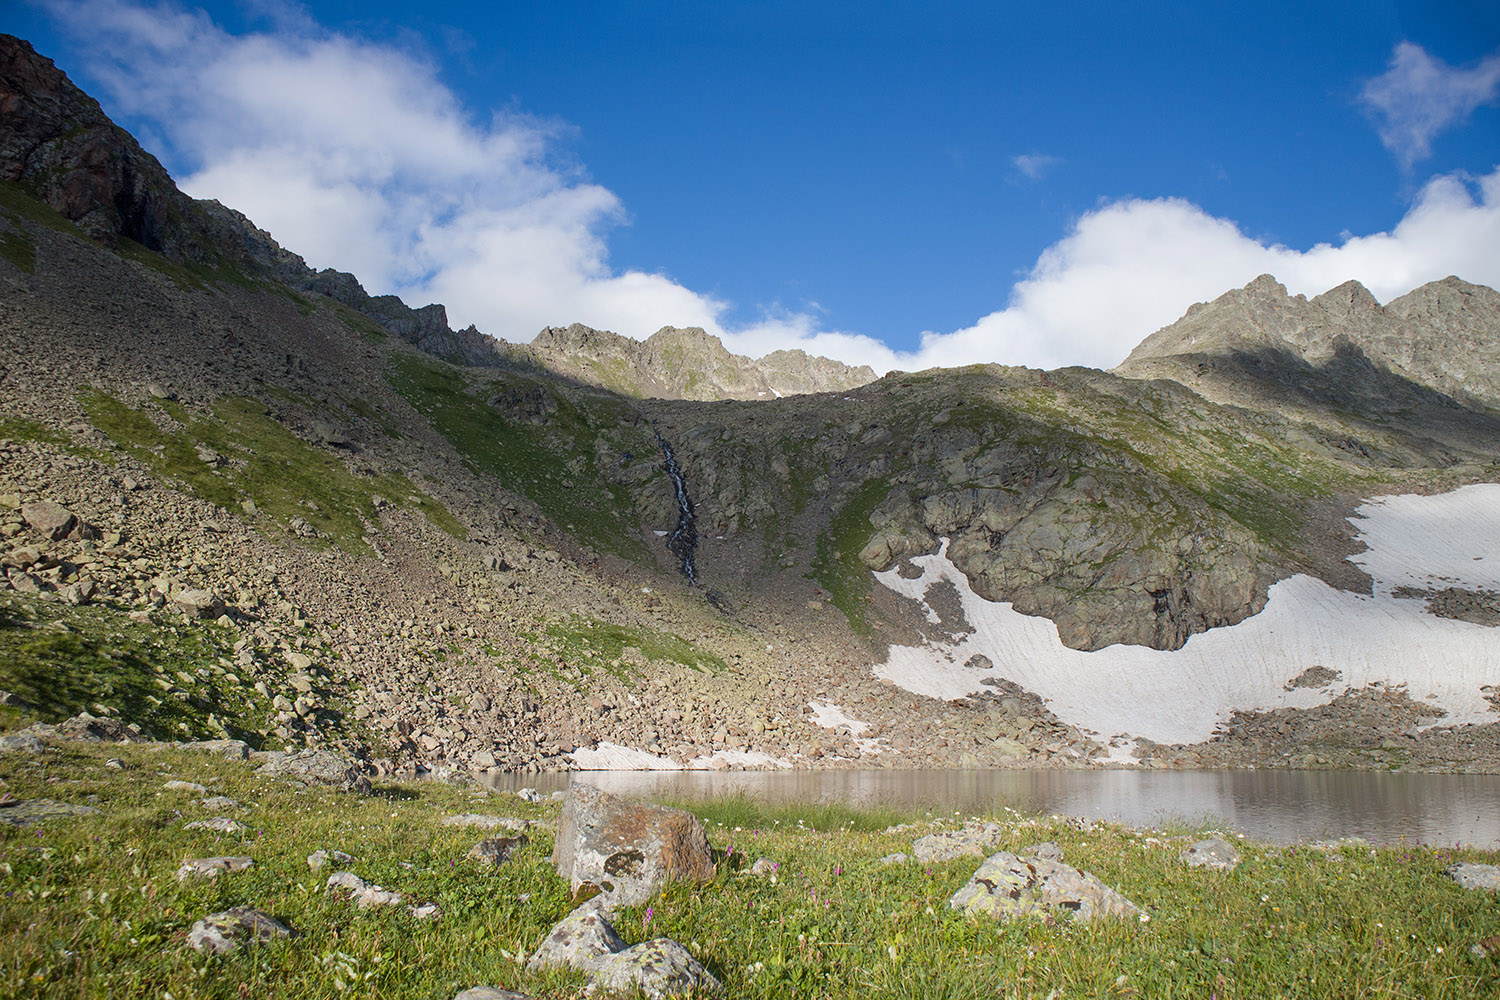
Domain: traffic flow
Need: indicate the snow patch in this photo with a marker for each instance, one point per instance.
(831, 716)
(1181, 696)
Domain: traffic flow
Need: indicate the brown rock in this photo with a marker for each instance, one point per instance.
(627, 849)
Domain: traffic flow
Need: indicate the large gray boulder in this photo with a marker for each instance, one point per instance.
(659, 968)
(627, 850)
(581, 940)
(316, 767)
(586, 941)
(1007, 886)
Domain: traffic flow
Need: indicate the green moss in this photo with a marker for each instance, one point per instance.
(261, 460)
(836, 565)
(586, 641)
(62, 660)
(17, 246)
(552, 458)
(19, 202)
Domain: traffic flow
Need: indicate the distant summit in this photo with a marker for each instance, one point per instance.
(678, 363)
(1444, 335)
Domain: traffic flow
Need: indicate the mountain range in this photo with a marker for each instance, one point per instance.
(355, 526)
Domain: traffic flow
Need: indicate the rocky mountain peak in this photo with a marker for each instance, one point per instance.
(1444, 336)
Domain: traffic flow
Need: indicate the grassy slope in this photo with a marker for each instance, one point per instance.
(265, 462)
(89, 907)
(555, 465)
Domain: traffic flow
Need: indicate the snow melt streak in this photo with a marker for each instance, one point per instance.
(1180, 696)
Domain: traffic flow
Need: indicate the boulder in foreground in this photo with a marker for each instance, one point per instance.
(627, 850)
(1007, 886)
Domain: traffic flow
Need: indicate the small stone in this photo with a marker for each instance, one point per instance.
(497, 850)
(232, 749)
(211, 867)
(426, 911)
(899, 858)
(225, 931)
(974, 840)
(490, 993)
(184, 786)
(219, 824)
(1216, 854)
(1047, 850)
(486, 822)
(198, 603)
(1007, 886)
(317, 859)
(22, 742)
(765, 866)
(220, 803)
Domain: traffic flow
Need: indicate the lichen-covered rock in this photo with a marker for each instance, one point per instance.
(497, 850)
(490, 993)
(581, 940)
(22, 742)
(29, 812)
(211, 868)
(229, 929)
(1216, 854)
(659, 968)
(317, 767)
(1007, 886)
(628, 849)
(975, 840)
(1475, 876)
(232, 749)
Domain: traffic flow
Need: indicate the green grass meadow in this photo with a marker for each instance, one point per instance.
(90, 906)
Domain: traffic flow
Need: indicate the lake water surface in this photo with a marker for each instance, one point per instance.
(1277, 806)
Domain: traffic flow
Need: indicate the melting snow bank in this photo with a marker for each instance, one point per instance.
(1180, 696)
(613, 757)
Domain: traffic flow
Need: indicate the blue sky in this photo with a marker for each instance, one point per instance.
(902, 184)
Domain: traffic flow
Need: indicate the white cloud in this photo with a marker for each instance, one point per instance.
(357, 156)
(1419, 97)
(1034, 165)
(1131, 267)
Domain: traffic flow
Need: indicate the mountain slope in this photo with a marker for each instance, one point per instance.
(431, 547)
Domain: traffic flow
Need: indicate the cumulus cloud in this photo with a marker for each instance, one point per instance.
(1131, 267)
(356, 155)
(1419, 97)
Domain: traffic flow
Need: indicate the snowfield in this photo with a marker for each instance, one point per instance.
(1180, 696)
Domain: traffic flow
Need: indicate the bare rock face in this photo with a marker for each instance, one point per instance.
(627, 850)
(1007, 886)
(686, 363)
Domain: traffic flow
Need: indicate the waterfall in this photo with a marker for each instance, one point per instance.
(684, 538)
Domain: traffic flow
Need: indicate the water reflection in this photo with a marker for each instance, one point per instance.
(1277, 806)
